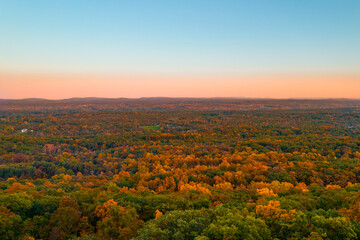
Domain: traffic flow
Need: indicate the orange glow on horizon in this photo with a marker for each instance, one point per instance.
(17, 86)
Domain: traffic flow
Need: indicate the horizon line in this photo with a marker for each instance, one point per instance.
(164, 97)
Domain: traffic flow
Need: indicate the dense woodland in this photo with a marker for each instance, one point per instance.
(198, 169)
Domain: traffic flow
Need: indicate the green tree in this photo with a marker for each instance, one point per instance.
(233, 226)
(177, 225)
(20, 203)
(65, 220)
(9, 224)
(116, 222)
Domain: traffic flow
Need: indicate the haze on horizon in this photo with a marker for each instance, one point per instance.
(256, 49)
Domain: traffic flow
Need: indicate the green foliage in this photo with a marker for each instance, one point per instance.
(19, 203)
(220, 223)
(151, 127)
(235, 226)
(118, 223)
(177, 225)
(65, 221)
(9, 224)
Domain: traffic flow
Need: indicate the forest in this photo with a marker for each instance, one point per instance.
(163, 169)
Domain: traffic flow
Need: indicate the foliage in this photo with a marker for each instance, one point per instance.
(212, 169)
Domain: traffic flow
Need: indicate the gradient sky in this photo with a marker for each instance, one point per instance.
(202, 48)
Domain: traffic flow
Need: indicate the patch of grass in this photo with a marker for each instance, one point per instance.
(151, 127)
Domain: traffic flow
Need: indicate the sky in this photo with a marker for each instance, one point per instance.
(180, 48)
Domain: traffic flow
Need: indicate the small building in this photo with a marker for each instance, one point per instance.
(24, 130)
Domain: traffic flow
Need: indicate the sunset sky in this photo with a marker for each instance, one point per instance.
(179, 48)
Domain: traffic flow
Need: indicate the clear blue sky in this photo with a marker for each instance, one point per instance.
(180, 37)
